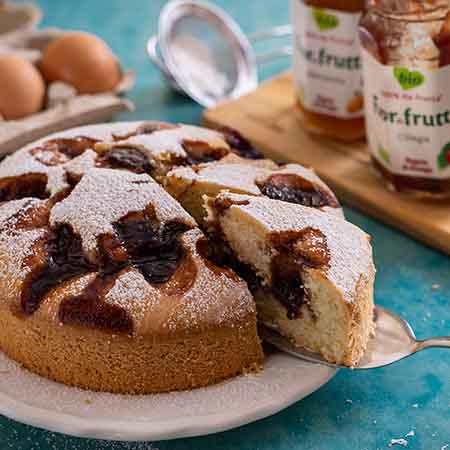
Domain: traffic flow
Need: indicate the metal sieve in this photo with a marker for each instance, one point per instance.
(203, 53)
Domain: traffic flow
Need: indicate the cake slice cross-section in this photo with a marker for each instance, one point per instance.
(291, 183)
(311, 273)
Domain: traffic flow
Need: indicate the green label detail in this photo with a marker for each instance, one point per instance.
(408, 79)
(322, 57)
(324, 20)
(409, 117)
(444, 157)
(384, 155)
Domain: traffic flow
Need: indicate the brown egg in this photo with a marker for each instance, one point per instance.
(22, 88)
(82, 60)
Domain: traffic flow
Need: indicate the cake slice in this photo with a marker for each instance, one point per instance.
(311, 273)
(292, 183)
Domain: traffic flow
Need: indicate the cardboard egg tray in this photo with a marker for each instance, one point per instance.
(64, 107)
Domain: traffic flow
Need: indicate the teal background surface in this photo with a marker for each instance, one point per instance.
(356, 410)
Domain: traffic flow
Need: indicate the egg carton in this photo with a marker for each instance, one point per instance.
(15, 19)
(64, 107)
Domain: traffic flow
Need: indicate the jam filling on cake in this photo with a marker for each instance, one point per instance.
(71, 147)
(239, 144)
(31, 185)
(64, 260)
(155, 250)
(293, 188)
(296, 250)
(125, 158)
(90, 309)
(219, 261)
(287, 284)
(201, 152)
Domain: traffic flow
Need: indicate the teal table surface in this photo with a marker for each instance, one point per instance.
(356, 410)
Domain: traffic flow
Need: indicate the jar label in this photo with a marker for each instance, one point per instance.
(408, 118)
(327, 61)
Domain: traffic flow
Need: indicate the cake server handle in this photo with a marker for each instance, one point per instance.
(279, 31)
(435, 342)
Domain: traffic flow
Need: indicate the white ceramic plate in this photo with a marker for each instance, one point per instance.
(36, 401)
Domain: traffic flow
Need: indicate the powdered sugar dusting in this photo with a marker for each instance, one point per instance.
(132, 293)
(23, 163)
(16, 247)
(101, 132)
(155, 145)
(13, 211)
(401, 441)
(104, 196)
(171, 140)
(349, 247)
(20, 163)
(235, 177)
(214, 298)
(81, 164)
(56, 180)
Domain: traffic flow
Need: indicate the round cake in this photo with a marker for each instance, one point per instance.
(109, 283)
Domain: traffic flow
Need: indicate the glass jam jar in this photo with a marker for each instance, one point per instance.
(406, 71)
(327, 67)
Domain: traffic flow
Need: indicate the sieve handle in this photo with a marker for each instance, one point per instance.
(273, 54)
(275, 32)
(280, 31)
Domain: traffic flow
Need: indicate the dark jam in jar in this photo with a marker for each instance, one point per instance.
(327, 67)
(406, 68)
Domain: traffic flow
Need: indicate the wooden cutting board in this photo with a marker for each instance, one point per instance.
(265, 117)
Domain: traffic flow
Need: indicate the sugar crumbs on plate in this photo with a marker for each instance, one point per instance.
(401, 441)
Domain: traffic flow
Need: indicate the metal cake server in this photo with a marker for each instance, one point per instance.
(394, 340)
